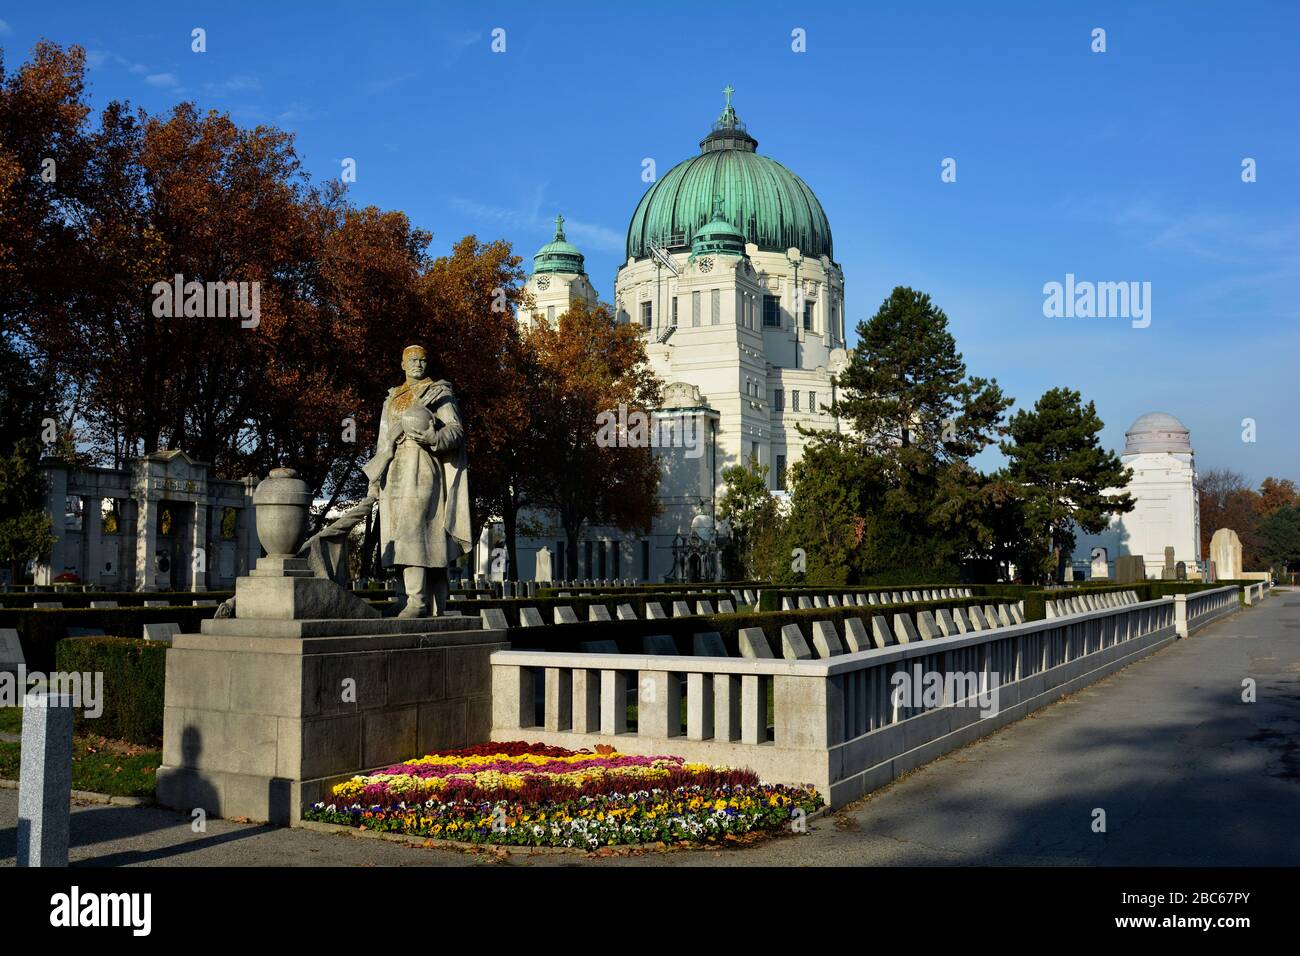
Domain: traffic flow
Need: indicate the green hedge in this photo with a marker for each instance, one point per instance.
(82, 599)
(650, 588)
(134, 673)
(79, 599)
(40, 630)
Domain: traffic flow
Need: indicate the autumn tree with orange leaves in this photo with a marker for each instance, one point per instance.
(587, 364)
(138, 199)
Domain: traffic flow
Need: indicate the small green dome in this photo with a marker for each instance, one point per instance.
(559, 255)
(718, 236)
(771, 206)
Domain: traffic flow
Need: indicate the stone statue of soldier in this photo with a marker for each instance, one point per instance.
(420, 478)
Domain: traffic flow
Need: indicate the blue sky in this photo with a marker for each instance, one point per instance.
(1115, 166)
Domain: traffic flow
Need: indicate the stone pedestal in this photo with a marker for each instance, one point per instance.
(263, 716)
(308, 685)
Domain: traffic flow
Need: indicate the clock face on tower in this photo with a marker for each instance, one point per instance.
(706, 264)
(544, 282)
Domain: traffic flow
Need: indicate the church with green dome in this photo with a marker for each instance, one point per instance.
(730, 273)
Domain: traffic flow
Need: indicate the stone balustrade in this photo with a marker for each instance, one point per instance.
(1195, 610)
(836, 722)
(1254, 593)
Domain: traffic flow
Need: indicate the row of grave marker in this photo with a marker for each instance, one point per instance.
(857, 637)
(11, 648)
(494, 619)
(1083, 603)
(105, 605)
(754, 643)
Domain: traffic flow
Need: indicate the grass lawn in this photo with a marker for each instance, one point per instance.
(115, 767)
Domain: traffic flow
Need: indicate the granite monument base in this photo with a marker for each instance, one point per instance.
(263, 716)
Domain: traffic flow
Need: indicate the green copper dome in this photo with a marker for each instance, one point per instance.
(718, 236)
(559, 255)
(772, 207)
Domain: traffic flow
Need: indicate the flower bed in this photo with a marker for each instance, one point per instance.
(519, 794)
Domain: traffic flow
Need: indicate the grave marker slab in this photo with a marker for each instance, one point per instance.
(927, 626)
(904, 629)
(709, 644)
(793, 645)
(598, 612)
(753, 643)
(856, 636)
(161, 632)
(493, 619)
(11, 650)
(654, 612)
(625, 613)
(825, 640)
(658, 644)
(881, 635)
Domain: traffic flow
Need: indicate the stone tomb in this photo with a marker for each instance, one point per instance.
(1225, 552)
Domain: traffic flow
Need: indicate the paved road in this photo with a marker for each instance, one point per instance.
(1186, 773)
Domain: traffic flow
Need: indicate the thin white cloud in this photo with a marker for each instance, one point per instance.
(239, 83)
(97, 59)
(297, 113)
(162, 79)
(5, 29)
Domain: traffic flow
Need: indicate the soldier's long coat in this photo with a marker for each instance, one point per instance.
(424, 516)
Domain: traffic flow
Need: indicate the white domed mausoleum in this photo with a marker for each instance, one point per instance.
(730, 274)
(1167, 508)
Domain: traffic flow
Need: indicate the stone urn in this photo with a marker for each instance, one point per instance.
(282, 501)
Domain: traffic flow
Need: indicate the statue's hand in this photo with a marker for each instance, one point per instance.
(372, 491)
(428, 437)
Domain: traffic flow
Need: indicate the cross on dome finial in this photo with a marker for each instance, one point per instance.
(717, 207)
(727, 91)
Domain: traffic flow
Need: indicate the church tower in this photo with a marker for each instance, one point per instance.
(559, 279)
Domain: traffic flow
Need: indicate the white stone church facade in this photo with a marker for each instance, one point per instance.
(730, 273)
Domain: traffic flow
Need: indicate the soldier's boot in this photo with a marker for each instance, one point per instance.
(416, 605)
